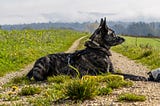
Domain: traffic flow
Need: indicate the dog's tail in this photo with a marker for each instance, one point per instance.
(132, 77)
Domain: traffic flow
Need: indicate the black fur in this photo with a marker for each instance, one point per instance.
(93, 60)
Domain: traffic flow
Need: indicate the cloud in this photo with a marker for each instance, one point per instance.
(97, 13)
(28, 11)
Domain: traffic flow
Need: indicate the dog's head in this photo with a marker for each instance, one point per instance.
(105, 36)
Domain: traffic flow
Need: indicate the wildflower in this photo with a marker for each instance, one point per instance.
(14, 88)
(10, 93)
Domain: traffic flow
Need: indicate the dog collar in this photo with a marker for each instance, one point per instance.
(94, 42)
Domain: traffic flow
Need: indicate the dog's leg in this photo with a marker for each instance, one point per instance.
(132, 77)
(111, 69)
(30, 74)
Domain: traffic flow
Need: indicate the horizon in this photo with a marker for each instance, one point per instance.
(79, 22)
(14, 12)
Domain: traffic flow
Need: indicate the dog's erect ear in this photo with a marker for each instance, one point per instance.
(104, 28)
(104, 24)
(101, 23)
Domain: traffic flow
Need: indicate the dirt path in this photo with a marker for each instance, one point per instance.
(24, 71)
(150, 89)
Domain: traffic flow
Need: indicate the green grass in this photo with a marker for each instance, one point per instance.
(130, 97)
(58, 79)
(144, 50)
(21, 47)
(80, 89)
(30, 90)
(18, 81)
(105, 91)
(61, 88)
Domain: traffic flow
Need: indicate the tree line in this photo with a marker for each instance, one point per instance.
(138, 28)
(126, 28)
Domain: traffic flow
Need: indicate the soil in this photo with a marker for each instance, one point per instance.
(150, 89)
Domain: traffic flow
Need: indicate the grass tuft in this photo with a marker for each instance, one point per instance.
(58, 79)
(17, 81)
(119, 84)
(80, 89)
(131, 97)
(30, 90)
(105, 91)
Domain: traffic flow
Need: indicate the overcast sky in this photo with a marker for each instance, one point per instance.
(29, 11)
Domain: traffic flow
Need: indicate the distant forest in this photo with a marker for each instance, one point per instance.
(125, 28)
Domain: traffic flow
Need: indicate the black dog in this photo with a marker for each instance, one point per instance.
(93, 60)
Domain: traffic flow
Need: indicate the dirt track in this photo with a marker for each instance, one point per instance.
(150, 89)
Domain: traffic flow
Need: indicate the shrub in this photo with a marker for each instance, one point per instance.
(30, 90)
(131, 97)
(80, 89)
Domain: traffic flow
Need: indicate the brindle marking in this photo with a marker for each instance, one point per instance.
(92, 60)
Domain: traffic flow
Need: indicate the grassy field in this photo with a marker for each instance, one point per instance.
(144, 50)
(19, 48)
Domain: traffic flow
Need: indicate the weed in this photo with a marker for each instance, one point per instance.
(131, 97)
(105, 91)
(111, 78)
(80, 89)
(118, 84)
(20, 80)
(145, 54)
(11, 97)
(17, 81)
(58, 79)
(30, 90)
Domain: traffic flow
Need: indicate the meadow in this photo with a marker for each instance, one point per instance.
(143, 50)
(19, 48)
